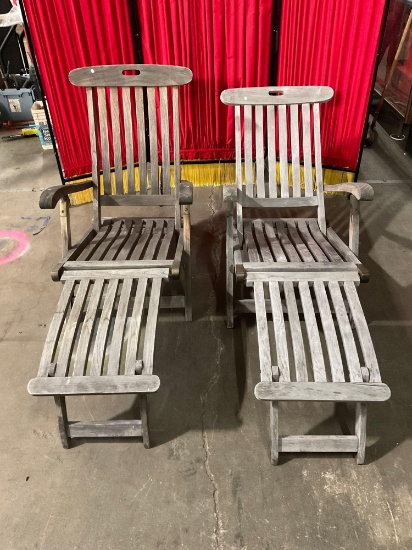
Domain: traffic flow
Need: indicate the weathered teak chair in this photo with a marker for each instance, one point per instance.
(101, 339)
(300, 270)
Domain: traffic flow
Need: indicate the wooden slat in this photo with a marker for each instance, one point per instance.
(119, 328)
(143, 239)
(341, 247)
(137, 200)
(283, 152)
(164, 121)
(111, 428)
(287, 246)
(296, 332)
(92, 117)
(92, 246)
(250, 243)
(63, 361)
(100, 245)
(318, 167)
(311, 325)
(128, 139)
(294, 139)
(346, 333)
(270, 114)
(300, 246)
(312, 245)
(274, 243)
(95, 385)
(238, 150)
(247, 112)
(87, 329)
(329, 332)
(260, 167)
(141, 140)
(176, 147)
(307, 150)
(103, 329)
(133, 333)
(81, 274)
(55, 328)
(322, 391)
(280, 332)
(104, 139)
(261, 241)
(365, 340)
(118, 264)
(306, 267)
(318, 443)
(323, 243)
(117, 147)
(154, 156)
(118, 242)
(130, 242)
(263, 333)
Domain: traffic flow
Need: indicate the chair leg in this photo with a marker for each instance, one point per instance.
(229, 273)
(274, 432)
(187, 263)
(62, 419)
(360, 431)
(144, 418)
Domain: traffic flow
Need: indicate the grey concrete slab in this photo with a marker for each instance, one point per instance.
(207, 482)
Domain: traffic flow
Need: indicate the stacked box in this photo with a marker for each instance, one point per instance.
(39, 117)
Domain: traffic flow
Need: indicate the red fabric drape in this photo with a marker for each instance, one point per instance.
(69, 34)
(333, 44)
(225, 44)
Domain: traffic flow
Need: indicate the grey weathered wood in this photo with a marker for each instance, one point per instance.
(111, 428)
(154, 175)
(307, 150)
(238, 153)
(247, 114)
(92, 246)
(296, 332)
(62, 421)
(104, 139)
(260, 168)
(187, 263)
(176, 147)
(359, 189)
(65, 228)
(83, 274)
(296, 276)
(115, 118)
(185, 193)
(294, 139)
(116, 344)
(64, 357)
(316, 267)
(284, 202)
(324, 244)
(322, 391)
(279, 328)
(318, 444)
(276, 95)
(95, 385)
(229, 269)
(354, 220)
(141, 139)
(274, 430)
(137, 200)
(164, 122)
(360, 431)
(147, 75)
(72, 254)
(283, 154)
(318, 168)
(128, 139)
(263, 334)
(51, 196)
(271, 154)
(118, 264)
(94, 150)
(100, 343)
(145, 420)
(133, 334)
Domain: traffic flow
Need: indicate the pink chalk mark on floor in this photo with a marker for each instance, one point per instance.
(17, 243)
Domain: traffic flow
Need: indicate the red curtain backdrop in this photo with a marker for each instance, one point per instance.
(334, 44)
(69, 34)
(226, 44)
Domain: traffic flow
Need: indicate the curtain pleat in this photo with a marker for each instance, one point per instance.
(333, 44)
(67, 35)
(226, 44)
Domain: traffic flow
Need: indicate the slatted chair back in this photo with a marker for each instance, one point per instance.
(125, 132)
(278, 123)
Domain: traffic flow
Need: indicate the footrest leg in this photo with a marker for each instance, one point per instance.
(144, 418)
(62, 420)
(274, 432)
(360, 431)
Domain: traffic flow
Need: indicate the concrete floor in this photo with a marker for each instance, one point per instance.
(207, 482)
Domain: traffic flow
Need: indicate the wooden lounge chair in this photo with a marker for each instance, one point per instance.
(101, 339)
(301, 272)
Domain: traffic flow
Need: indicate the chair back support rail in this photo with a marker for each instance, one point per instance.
(133, 113)
(278, 123)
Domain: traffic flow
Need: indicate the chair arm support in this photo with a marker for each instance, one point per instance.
(51, 196)
(229, 193)
(360, 190)
(185, 192)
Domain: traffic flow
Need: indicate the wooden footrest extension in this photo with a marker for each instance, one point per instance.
(318, 444)
(93, 385)
(110, 428)
(322, 391)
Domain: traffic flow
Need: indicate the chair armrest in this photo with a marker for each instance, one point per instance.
(51, 196)
(360, 190)
(230, 193)
(185, 192)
